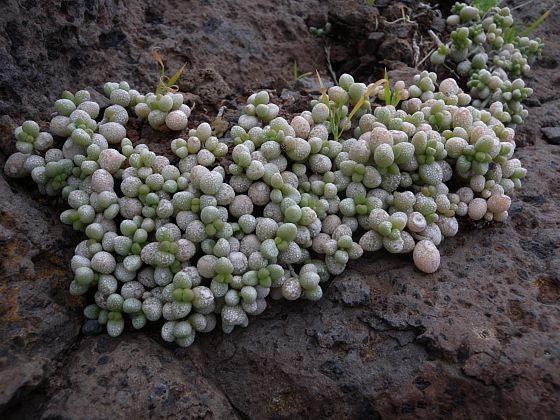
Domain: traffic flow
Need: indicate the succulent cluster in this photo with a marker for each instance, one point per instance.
(321, 32)
(485, 47)
(163, 111)
(212, 232)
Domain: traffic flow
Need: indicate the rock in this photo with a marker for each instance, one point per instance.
(207, 83)
(374, 39)
(290, 95)
(532, 102)
(481, 335)
(382, 3)
(7, 143)
(351, 290)
(395, 48)
(551, 134)
(438, 24)
(310, 84)
(87, 44)
(92, 327)
(40, 319)
(134, 375)
(355, 19)
(401, 72)
(450, 339)
(98, 96)
(18, 378)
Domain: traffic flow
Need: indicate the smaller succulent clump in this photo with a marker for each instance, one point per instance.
(485, 47)
(163, 111)
(30, 138)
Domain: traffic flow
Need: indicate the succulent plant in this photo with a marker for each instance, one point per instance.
(484, 46)
(164, 111)
(292, 203)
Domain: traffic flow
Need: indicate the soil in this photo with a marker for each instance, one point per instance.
(480, 338)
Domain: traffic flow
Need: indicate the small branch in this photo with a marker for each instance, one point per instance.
(452, 71)
(521, 5)
(426, 57)
(435, 37)
(416, 49)
(329, 65)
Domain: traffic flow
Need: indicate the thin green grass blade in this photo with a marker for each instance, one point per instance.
(484, 5)
(175, 76)
(387, 89)
(537, 22)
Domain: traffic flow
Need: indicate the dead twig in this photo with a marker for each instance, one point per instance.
(425, 57)
(416, 49)
(405, 18)
(329, 64)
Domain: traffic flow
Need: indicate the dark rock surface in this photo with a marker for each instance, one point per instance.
(480, 338)
(552, 134)
(40, 319)
(136, 377)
